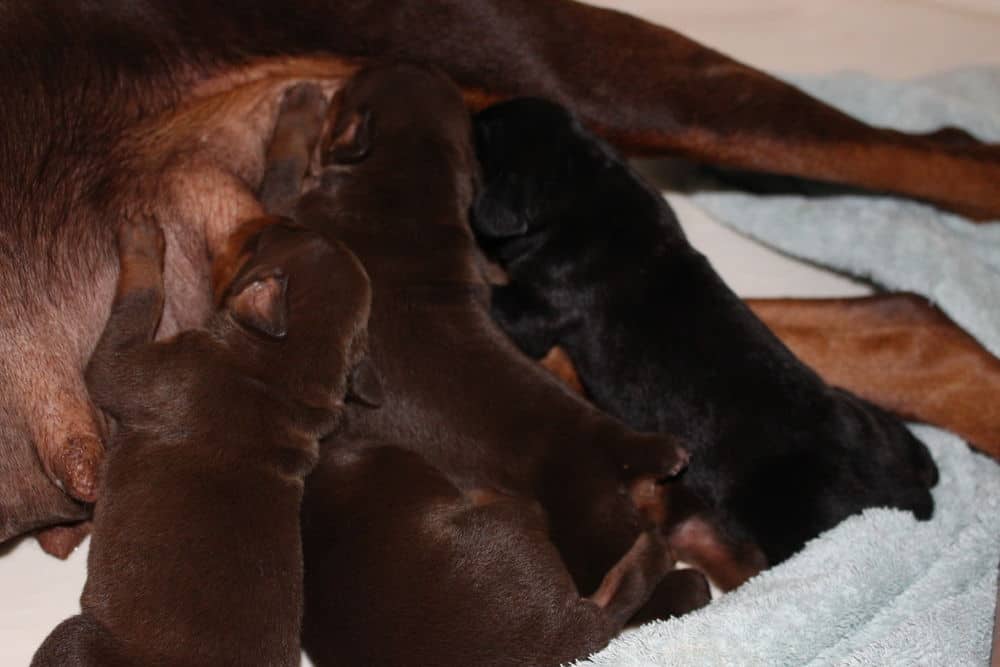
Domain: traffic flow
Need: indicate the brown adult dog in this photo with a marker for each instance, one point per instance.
(196, 557)
(398, 188)
(404, 569)
(164, 107)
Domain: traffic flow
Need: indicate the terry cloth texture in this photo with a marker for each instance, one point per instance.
(881, 588)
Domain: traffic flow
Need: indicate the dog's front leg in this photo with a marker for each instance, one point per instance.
(135, 311)
(296, 133)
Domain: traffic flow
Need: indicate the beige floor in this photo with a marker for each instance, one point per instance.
(892, 38)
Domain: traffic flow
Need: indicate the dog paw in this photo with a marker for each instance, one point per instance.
(658, 456)
(306, 100)
(299, 126)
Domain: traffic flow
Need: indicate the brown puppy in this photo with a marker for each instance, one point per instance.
(414, 572)
(398, 188)
(196, 557)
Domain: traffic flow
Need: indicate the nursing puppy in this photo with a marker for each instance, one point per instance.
(599, 266)
(196, 556)
(415, 572)
(397, 189)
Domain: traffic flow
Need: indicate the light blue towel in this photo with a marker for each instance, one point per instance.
(880, 588)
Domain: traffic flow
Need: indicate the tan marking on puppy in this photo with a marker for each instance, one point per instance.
(559, 364)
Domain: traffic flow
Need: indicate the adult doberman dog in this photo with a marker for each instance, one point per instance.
(113, 110)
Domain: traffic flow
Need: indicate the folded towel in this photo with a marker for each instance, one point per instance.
(881, 588)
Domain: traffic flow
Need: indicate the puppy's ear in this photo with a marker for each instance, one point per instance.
(364, 386)
(259, 304)
(350, 141)
(493, 219)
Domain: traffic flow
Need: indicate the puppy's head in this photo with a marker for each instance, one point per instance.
(398, 139)
(538, 163)
(295, 309)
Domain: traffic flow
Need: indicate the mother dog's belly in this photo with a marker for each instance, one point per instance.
(197, 169)
(194, 169)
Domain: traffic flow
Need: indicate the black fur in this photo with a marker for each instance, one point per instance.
(599, 266)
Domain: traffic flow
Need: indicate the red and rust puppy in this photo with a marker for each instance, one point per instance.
(415, 572)
(598, 265)
(196, 556)
(397, 189)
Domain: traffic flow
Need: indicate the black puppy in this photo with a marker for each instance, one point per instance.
(599, 266)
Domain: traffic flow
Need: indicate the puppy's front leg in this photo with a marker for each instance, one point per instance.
(632, 580)
(136, 309)
(680, 592)
(299, 125)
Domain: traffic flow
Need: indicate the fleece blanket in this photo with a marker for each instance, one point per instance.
(881, 588)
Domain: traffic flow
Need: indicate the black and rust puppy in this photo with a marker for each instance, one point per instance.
(196, 556)
(599, 266)
(415, 572)
(397, 188)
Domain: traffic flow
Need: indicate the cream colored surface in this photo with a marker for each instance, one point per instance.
(891, 38)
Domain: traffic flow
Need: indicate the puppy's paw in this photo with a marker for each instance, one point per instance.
(141, 238)
(299, 125)
(305, 105)
(141, 245)
(679, 592)
(652, 455)
(631, 582)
